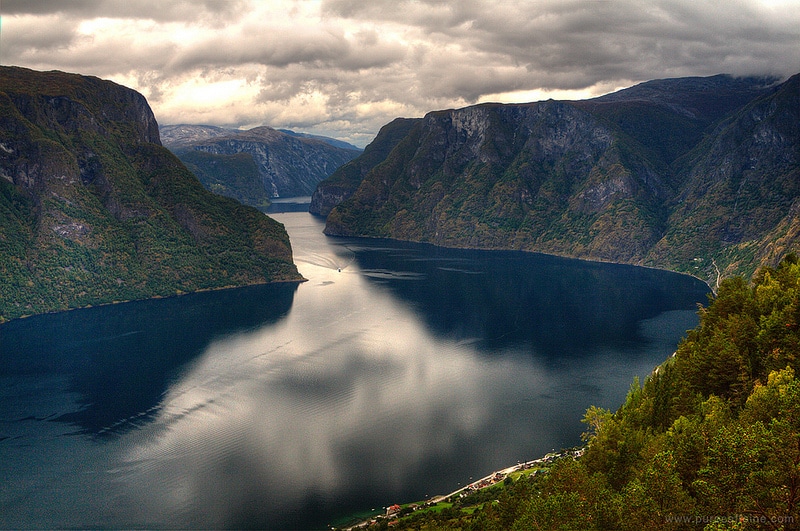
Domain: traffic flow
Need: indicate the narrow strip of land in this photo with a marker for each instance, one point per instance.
(487, 481)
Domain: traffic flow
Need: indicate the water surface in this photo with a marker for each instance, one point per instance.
(398, 371)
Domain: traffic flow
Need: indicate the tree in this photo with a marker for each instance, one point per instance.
(655, 495)
(570, 498)
(753, 465)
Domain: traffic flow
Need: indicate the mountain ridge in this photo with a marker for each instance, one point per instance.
(600, 179)
(340, 185)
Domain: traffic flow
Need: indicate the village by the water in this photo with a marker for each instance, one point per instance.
(537, 466)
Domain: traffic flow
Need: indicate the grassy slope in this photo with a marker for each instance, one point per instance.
(234, 176)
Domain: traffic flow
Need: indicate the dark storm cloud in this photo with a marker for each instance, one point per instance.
(41, 7)
(317, 47)
(576, 44)
(35, 35)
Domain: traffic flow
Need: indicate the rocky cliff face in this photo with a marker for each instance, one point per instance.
(61, 104)
(346, 178)
(545, 176)
(93, 209)
(631, 177)
(288, 164)
(740, 190)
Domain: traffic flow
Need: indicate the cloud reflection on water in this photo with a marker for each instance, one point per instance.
(350, 401)
(262, 420)
(396, 372)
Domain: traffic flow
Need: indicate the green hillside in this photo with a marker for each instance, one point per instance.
(233, 176)
(281, 163)
(740, 190)
(547, 177)
(94, 210)
(346, 179)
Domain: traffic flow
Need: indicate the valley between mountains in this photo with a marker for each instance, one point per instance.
(697, 175)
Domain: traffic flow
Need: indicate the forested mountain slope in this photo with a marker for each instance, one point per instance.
(692, 174)
(345, 179)
(94, 210)
(739, 191)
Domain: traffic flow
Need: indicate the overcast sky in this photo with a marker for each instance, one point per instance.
(344, 68)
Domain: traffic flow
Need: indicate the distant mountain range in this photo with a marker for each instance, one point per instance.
(256, 165)
(94, 210)
(700, 175)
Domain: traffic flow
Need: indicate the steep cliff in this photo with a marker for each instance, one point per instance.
(545, 176)
(94, 210)
(690, 174)
(346, 179)
(286, 164)
(738, 203)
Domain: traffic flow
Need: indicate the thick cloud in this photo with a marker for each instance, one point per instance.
(346, 67)
(157, 10)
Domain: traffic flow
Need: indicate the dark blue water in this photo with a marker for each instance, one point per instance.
(396, 372)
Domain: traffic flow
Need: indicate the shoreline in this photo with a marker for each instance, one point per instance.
(155, 297)
(490, 480)
(527, 251)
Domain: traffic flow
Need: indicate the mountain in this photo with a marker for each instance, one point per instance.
(328, 140)
(236, 175)
(346, 178)
(739, 197)
(692, 174)
(258, 164)
(94, 210)
(670, 116)
(545, 176)
(183, 135)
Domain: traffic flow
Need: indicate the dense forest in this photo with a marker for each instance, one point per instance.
(710, 440)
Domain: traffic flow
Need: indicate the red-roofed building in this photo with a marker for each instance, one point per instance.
(394, 509)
